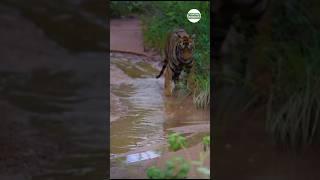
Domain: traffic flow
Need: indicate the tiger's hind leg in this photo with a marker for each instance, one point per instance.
(168, 83)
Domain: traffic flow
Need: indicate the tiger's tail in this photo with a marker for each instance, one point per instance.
(161, 72)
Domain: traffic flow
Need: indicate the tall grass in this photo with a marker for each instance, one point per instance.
(296, 121)
(201, 97)
(293, 109)
(287, 50)
(172, 15)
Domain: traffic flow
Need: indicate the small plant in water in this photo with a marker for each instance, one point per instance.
(206, 142)
(178, 167)
(176, 141)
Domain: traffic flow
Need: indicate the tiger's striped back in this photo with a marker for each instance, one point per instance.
(178, 53)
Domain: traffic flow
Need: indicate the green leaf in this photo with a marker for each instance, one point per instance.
(176, 141)
(170, 165)
(206, 142)
(184, 170)
(154, 173)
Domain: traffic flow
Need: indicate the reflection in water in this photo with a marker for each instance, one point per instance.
(142, 156)
(142, 123)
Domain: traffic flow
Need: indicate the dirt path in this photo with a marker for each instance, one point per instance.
(126, 35)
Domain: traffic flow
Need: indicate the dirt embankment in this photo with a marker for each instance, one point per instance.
(126, 36)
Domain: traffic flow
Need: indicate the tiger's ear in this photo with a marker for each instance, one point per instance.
(177, 35)
(193, 36)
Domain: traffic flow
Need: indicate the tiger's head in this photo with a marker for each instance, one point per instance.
(185, 45)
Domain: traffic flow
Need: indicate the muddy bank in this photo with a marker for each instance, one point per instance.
(126, 36)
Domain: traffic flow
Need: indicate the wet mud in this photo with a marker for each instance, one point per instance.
(142, 117)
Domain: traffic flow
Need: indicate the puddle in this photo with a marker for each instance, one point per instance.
(142, 116)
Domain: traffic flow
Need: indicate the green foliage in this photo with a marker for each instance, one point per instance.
(176, 168)
(155, 173)
(287, 50)
(161, 18)
(168, 16)
(206, 142)
(176, 141)
(127, 8)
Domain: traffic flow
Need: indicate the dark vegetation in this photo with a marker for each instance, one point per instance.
(277, 68)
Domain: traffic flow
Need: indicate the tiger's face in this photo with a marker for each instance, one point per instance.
(186, 46)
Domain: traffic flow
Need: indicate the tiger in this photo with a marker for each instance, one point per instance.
(178, 51)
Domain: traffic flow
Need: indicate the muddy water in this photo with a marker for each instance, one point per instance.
(141, 117)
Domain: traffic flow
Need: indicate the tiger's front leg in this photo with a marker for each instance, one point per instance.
(188, 76)
(168, 83)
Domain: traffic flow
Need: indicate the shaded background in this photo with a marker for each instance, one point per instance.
(266, 89)
(53, 89)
